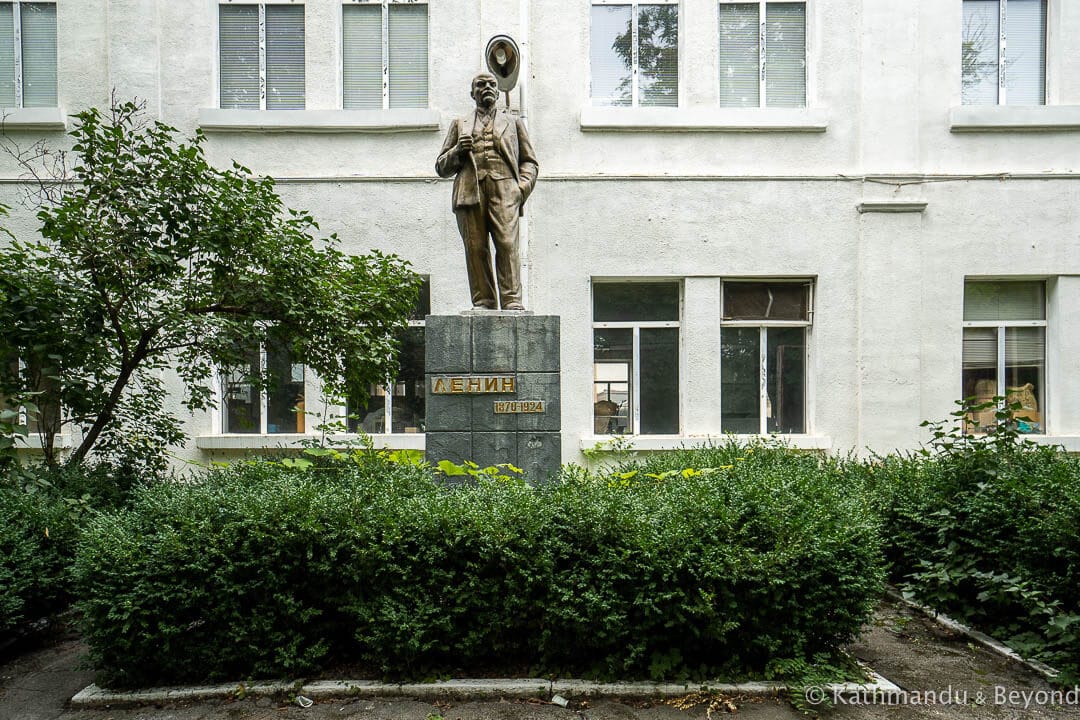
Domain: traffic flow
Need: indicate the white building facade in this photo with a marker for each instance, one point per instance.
(823, 219)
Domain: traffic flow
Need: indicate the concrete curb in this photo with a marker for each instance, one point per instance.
(995, 646)
(96, 697)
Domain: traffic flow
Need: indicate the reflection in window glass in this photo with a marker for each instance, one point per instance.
(658, 55)
(786, 363)
(405, 400)
(766, 301)
(242, 407)
(285, 401)
(1021, 48)
(740, 393)
(645, 74)
(610, 55)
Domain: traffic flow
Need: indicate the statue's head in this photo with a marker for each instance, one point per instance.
(485, 90)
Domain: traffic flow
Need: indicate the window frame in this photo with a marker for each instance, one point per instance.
(264, 402)
(763, 326)
(17, 51)
(634, 390)
(1000, 326)
(763, 49)
(385, 30)
(388, 399)
(635, 98)
(261, 4)
(1002, 58)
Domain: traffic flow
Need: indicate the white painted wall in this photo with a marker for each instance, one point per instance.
(685, 204)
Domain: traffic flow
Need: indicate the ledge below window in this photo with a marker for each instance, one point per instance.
(678, 442)
(319, 121)
(407, 441)
(33, 442)
(1014, 118)
(1071, 443)
(33, 119)
(749, 120)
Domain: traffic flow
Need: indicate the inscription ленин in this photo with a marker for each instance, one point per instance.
(472, 384)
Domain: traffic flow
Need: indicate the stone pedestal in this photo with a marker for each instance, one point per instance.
(479, 362)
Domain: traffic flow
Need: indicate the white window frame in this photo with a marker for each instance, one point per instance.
(264, 401)
(634, 45)
(1000, 326)
(634, 416)
(388, 395)
(763, 42)
(16, 17)
(1002, 54)
(763, 347)
(385, 5)
(262, 46)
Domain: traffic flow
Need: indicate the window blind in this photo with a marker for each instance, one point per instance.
(284, 57)
(1024, 346)
(238, 40)
(980, 348)
(362, 75)
(739, 85)
(979, 52)
(785, 54)
(7, 56)
(610, 55)
(658, 55)
(1025, 52)
(39, 54)
(408, 51)
(1004, 301)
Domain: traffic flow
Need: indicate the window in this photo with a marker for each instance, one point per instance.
(763, 356)
(398, 406)
(762, 54)
(262, 56)
(635, 53)
(385, 54)
(1003, 52)
(15, 374)
(636, 358)
(1005, 349)
(248, 409)
(28, 54)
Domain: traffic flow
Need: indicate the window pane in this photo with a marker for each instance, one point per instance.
(1025, 52)
(242, 411)
(409, 398)
(740, 389)
(658, 55)
(39, 54)
(423, 303)
(766, 301)
(362, 50)
(980, 374)
(613, 355)
(786, 357)
(610, 55)
(1004, 301)
(979, 52)
(739, 86)
(785, 55)
(284, 57)
(1025, 350)
(622, 302)
(7, 56)
(285, 401)
(408, 56)
(659, 392)
(239, 43)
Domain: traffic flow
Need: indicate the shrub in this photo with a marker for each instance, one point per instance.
(260, 570)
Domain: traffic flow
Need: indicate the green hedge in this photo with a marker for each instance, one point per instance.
(259, 571)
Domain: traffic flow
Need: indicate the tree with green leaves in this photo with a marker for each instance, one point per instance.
(151, 261)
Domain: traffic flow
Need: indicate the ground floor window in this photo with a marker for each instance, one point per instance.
(636, 358)
(246, 408)
(1004, 350)
(763, 356)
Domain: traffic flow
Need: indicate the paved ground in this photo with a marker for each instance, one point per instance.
(927, 662)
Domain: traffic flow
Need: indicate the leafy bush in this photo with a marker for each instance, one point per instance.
(261, 570)
(985, 528)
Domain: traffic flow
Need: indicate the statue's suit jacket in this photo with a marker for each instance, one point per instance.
(512, 143)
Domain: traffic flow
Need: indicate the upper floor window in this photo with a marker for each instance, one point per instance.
(634, 54)
(28, 54)
(763, 356)
(384, 54)
(261, 56)
(636, 358)
(1004, 351)
(1003, 52)
(762, 54)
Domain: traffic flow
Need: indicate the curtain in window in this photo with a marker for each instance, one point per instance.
(785, 55)
(408, 49)
(39, 54)
(284, 57)
(362, 51)
(238, 28)
(7, 56)
(610, 55)
(739, 86)
(1025, 52)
